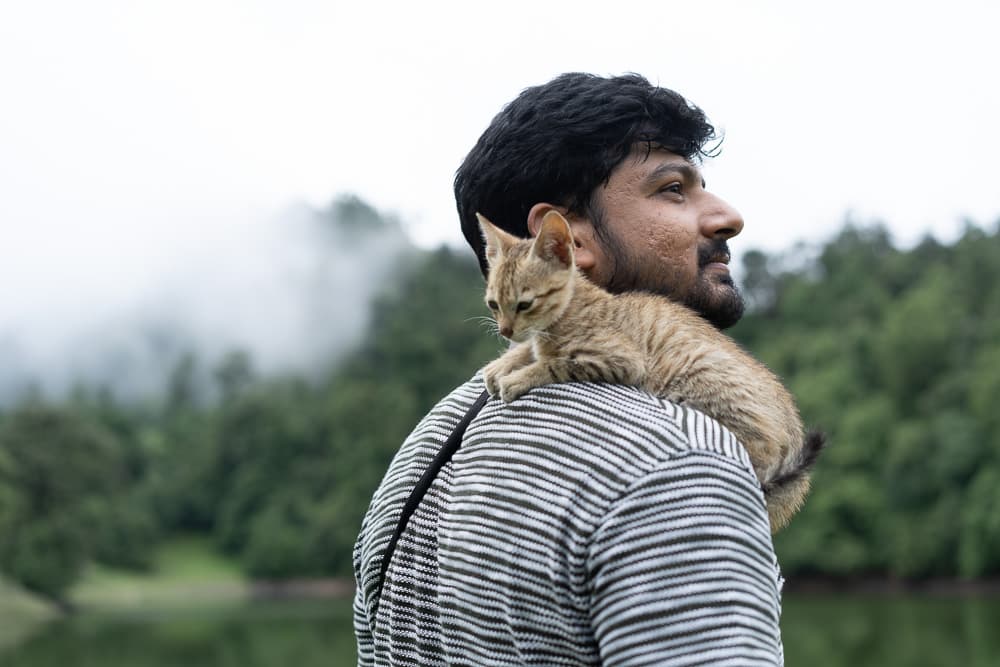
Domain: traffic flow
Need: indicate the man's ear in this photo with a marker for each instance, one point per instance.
(583, 233)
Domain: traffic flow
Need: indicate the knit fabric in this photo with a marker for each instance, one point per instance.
(583, 524)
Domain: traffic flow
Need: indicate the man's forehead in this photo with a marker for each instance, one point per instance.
(652, 159)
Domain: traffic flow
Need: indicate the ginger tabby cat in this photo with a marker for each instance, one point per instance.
(569, 330)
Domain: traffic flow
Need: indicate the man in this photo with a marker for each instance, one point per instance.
(582, 524)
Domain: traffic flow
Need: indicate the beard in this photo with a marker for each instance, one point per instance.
(714, 296)
(717, 299)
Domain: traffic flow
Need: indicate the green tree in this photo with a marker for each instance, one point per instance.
(894, 354)
(60, 476)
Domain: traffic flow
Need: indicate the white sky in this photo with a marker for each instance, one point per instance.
(136, 135)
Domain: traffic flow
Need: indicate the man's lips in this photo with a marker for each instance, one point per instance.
(714, 255)
(717, 262)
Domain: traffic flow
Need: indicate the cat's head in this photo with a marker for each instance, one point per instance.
(531, 280)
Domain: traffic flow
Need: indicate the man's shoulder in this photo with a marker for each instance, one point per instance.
(450, 409)
(620, 419)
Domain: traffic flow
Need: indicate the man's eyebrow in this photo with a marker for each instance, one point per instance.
(688, 172)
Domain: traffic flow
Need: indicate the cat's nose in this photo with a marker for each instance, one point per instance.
(506, 331)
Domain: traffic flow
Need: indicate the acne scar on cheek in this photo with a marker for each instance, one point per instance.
(667, 240)
(673, 247)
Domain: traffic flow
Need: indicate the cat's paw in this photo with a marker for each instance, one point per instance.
(492, 374)
(511, 389)
(520, 382)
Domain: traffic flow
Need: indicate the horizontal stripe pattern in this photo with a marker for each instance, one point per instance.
(583, 524)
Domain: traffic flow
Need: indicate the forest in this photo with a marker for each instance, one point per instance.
(894, 352)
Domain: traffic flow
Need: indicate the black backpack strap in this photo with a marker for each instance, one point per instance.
(447, 450)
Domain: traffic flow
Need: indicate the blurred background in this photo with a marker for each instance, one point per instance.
(232, 280)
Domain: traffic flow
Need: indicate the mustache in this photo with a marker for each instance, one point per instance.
(713, 251)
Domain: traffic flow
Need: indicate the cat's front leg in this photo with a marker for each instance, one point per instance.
(519, 382)
(517, 357)
(616, 367)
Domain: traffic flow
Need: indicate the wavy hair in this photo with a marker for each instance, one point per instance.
(559, 141)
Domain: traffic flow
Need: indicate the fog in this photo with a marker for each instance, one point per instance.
(293, 289)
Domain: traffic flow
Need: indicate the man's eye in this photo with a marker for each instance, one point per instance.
(674, 188)
(524, 305)
(493, 305)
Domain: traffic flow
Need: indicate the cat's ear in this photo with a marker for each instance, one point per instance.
(554, 242)
(497, 240)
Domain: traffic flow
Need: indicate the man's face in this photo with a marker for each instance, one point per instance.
(659, 230)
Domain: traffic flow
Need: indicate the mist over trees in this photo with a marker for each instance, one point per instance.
(895, 353)
(294, 288)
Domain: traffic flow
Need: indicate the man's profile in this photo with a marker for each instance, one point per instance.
(583, 523)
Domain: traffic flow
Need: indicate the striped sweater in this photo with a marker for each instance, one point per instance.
(583, 524)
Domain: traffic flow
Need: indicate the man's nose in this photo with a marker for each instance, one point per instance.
(720, 220)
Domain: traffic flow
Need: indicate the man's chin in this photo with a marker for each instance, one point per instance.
(721, 304)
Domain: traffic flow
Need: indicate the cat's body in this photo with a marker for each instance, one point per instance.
(568, 329)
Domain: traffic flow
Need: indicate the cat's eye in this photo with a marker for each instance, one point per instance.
(493, 305)
(524, 305)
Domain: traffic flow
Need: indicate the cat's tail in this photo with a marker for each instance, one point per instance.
(786, 492)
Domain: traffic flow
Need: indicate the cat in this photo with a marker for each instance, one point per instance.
(567, 329)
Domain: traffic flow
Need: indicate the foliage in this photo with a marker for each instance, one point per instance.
(64, 481)
(896, 354)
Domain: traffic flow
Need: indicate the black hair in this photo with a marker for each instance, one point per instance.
(559, 141)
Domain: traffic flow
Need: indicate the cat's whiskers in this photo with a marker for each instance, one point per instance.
(487, 323)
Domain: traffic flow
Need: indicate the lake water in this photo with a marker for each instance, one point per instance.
(819, 631)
